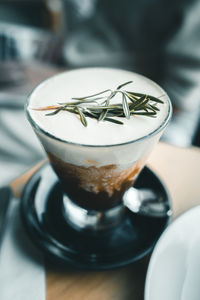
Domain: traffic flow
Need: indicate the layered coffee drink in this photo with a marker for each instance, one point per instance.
(96, 135)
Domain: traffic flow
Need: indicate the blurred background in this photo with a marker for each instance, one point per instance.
(156, 38)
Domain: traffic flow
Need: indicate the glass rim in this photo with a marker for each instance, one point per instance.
(152, 133)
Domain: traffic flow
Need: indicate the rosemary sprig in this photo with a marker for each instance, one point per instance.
(98, 106)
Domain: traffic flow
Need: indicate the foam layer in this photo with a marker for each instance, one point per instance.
(67, 126)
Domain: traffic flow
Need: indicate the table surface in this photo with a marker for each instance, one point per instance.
(179, 169)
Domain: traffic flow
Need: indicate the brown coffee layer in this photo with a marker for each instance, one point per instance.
(94, 187)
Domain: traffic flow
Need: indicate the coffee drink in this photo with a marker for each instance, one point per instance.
(98, 163)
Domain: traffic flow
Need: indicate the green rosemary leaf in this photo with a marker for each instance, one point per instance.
(91, 114)
(152, 107)
(152, 98)
(123, 84)
(131, 97)
(115, 113)
(102, 115)
(155, 99)
(114, 121)
(125, 107)
(107, 102)
(148, 114)
(71, 109)
(142, 105)
(54, 112)
(82, 116)
(138, 103)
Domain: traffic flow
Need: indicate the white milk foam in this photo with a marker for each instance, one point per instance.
(66, 126)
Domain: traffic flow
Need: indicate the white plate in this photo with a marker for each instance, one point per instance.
(174, 269)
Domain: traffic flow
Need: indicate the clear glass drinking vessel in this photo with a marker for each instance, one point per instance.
(95, 177)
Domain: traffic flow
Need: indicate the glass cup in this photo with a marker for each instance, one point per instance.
(95, 178)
